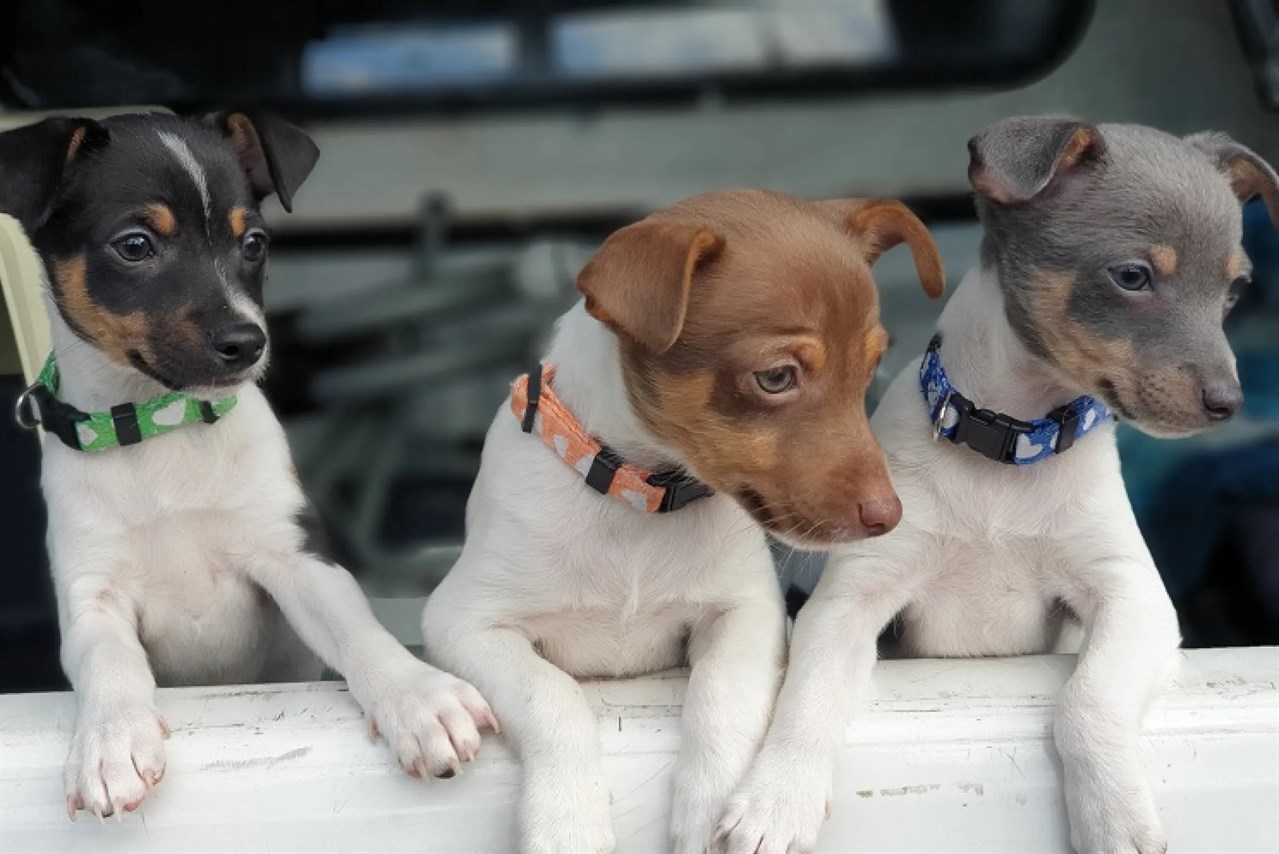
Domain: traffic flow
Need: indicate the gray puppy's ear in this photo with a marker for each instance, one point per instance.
(1014, 160)
(1248, 174)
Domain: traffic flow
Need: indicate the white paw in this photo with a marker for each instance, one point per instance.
(1109, 815)
(431, 720)
(564, 813)
(115, 759)
(778, 809)
(697, 803)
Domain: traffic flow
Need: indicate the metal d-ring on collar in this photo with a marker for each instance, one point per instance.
(24, 411)
(124, 424)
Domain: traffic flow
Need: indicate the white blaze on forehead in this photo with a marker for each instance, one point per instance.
(182, 152)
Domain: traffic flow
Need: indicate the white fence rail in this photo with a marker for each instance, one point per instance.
(952, 756)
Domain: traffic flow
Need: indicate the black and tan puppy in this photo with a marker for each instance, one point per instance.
(176, 523)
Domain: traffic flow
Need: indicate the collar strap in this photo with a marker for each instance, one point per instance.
(998, 436)
(540, 411)
(125, 424)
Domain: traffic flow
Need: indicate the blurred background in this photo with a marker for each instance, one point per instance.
(475, 152)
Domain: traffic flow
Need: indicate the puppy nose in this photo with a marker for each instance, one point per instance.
(238, 345)
(1222, 400)
(880, 515)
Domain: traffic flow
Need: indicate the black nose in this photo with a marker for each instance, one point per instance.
(238, 345)
(1222, 400)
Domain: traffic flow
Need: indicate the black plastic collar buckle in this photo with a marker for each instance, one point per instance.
(603, 469)
(991, 434)
(534, 397)
(681, 490)
(1067, 423)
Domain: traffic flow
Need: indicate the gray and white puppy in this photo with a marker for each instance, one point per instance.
(1111, 257)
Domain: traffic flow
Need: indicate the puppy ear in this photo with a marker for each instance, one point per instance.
(1014, 160)
(881, 224)
(1248, 174)
(276, 156)
(638, 283)
(33, 163)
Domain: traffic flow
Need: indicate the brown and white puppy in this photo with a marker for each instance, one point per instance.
(730, 338)
(185, 556)
(1111, 257)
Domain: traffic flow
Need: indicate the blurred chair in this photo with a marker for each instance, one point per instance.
(392, 464)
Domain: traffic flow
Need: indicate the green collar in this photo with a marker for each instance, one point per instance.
(125, 424)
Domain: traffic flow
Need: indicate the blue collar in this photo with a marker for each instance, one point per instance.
(995, 435)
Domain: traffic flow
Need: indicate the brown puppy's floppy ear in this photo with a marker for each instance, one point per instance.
(1248, 174)
(1014, 160)
(638, 283)
(33, 163)
(275, 155)
(881, 224)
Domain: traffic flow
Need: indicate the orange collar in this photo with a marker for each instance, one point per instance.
(541, 412)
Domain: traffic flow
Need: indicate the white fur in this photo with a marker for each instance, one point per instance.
(981, 564)
(556, 582)
(182, 152)
(180, 560)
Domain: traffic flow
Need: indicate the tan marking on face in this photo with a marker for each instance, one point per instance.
(77, 139)
(161, 219)
(874, 345)
(811, 350)
(236, 219)
(680, 412)
(1234, 266)
(1164, 259)
(114, 334)
(1084, 357)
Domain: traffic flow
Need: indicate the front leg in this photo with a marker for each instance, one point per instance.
(1131, 639)
(117, 751)
(736, 659)
(564, 799)
(431, 720)
(780, 806)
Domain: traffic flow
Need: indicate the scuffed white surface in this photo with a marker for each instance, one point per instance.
(953, 756)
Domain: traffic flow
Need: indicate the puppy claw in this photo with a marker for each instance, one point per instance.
(373, 730)
(164, 727)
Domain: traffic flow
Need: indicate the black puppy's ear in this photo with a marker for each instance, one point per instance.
(33, 163)
(1014, 160)
(1248, 174)
(276, 156)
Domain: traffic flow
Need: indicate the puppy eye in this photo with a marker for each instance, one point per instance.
(1236, 291)
(254, 246)
(776, 380)
(133, 247)
(1131, 277)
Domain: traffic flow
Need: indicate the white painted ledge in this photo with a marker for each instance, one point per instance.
(953, 756)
